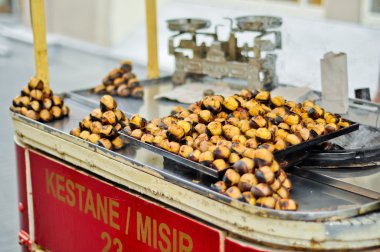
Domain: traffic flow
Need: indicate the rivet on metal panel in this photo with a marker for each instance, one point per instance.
(21, 207)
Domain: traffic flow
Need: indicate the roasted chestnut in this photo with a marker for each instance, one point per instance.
(234, 192)
(233, 158)
(214, 128)
(244, 165)
(124, 91)
(105, 143)
(75, 132)
(267, 202)
(56, 112)
(221, 152)
(93, 138)
(136, 133)
(36, 95)
(175, 133)
(277, 101)
(286, 204)
(263, 157)
(292, 119)
(246, 182)
(263, 134)
(230, 131)
(249, 153)
(84, 134)
(45, 115)
(138, 92)
(137, 122)
(206, 158)
(261, 190)
(205, 116)
(35, 83)
(212, 104)
(249, 198)
(262, 96)
(265, 175)
(107, 103)
(219, 165)
(230, 104)
(293, 139)
(185, 151)
(147, 138)
(219, 187)
(174, 147)
(109, 117)
(108, 131)
(194, 156)
(231, 178)
(34, 105)
(99, 89)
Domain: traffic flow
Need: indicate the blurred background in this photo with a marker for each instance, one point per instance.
(87, 38)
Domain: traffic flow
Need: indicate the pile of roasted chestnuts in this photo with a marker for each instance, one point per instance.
(37, 102)
(102, 125)
(237, 136)
(122, 82)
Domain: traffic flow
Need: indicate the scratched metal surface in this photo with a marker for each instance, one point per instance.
(308, 193)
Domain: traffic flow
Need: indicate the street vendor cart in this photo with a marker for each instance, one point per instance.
(78, 196)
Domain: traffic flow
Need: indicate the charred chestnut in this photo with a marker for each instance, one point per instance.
(219, 165)
(137, 122)
(105, 143)
(244, 165)
(231, 178)
(286, 204)
(107, 103)
(261, 190)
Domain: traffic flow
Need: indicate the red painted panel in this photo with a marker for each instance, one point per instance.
(232, 245)
(76, 212)
(22, 195)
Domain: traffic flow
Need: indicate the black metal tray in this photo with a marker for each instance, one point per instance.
(305, 145)
(296, 153)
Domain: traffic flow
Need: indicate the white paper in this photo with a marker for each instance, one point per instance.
(334, 82)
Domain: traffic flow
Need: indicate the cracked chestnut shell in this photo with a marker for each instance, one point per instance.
(219, 165)
(123, 90)
(214, 129)
(109, 117)
(36, 95)
(263, 134)
(147, 138)
(107, 102)
(136, 133)
(211, 104)
(35, 83)
(205, 116)
(32, 115)
(230, 103)
(175, 133)
(137, 122)
(108, 131)
(244, 165)
(231, 177)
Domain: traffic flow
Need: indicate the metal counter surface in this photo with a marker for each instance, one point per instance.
(316, 200)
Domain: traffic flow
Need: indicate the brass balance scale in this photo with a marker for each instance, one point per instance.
(256, 63)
